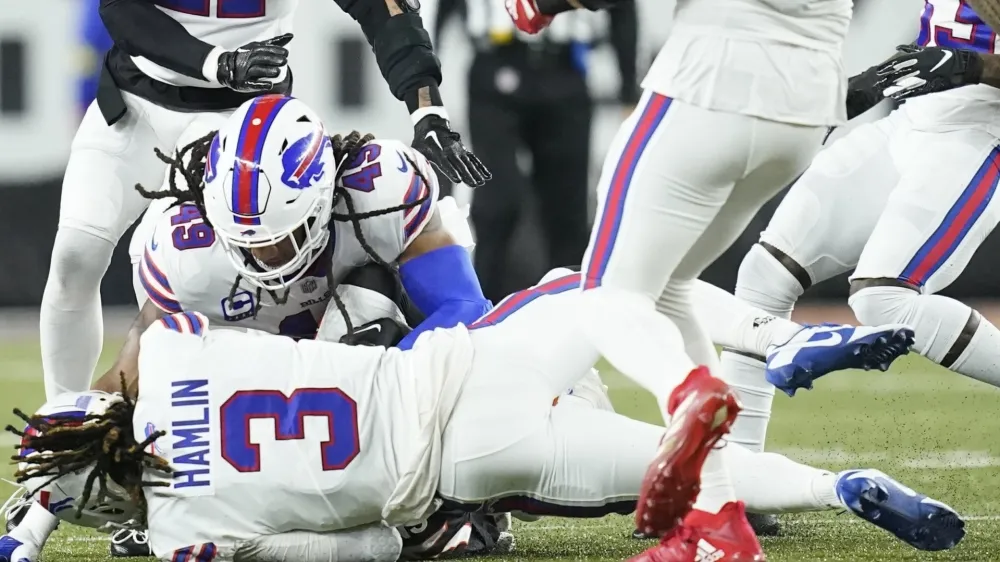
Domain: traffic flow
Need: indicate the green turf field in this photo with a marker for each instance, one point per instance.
(933, 430)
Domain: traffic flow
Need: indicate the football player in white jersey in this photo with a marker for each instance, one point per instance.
(172, 61)
(928, 175)
(276, 213)
(363, 435)
(733, 110)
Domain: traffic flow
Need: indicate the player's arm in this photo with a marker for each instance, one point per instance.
(24, 543)
(439, 278)
(127, 362)
(141, 29)
(373, 543)
(412, 71)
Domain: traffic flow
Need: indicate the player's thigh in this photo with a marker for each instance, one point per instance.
(668, 172)
(107, 161)
(943, 208)
(780, 152)
(578, 462)
(829, 213)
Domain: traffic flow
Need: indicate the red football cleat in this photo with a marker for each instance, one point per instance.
(702, 408)
(526, 17)
(706, 537)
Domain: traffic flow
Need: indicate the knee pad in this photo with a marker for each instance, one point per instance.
(79, 259)
(884, 305)
(766, 283)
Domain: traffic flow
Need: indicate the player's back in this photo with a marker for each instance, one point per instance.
(267, 435)
(953, 24)
(224, 23)
(776, 59)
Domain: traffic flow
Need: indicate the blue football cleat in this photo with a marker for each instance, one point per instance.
(818, 350)
(917, 520)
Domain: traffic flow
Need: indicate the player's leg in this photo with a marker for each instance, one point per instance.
(662, 184)
(98, 203)
(817, 232)
(943, 209)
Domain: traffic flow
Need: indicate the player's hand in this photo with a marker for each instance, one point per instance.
(917, 71)
(526, 16)
(15, 551)
(433, 137)
(384, 332)
(254, 67)
(863, 92)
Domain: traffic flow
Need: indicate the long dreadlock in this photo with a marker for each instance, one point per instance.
(105, 441)
(346, 149)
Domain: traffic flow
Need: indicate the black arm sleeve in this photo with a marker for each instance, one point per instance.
(140, 29)
(402, 46)
(625, 41)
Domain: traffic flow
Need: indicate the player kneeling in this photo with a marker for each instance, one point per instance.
(350, 437)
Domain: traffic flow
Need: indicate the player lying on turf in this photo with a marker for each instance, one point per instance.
(927, 175)
(244, 445)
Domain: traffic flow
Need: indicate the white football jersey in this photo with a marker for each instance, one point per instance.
(184, 268)
(953, 24)
(267, 435)
(776, 59)
(224, 23)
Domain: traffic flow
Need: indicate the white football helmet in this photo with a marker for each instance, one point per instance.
(269, 176)
(62, 496)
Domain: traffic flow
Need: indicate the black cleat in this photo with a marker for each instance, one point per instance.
(456, 534)
(764, 524)
(130, 543)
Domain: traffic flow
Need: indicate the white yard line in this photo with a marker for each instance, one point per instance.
(837, 521)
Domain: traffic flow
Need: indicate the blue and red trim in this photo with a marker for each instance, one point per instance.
(962, 216)
(520, 299)
(156, 285)
(416, 217)
(603, 243)
(249, 149)
(185, 323)
(205, 553)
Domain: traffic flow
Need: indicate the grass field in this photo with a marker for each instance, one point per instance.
(933, 430)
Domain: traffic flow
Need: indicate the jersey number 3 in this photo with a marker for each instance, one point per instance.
(225, 8)
(288, 413)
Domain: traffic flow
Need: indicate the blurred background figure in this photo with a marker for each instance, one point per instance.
(529, 119)
(94, 44)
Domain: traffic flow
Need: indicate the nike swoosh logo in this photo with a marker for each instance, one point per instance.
(402, 163)
(433, 136)
(832, 340)
(376, 327)
(944, 59)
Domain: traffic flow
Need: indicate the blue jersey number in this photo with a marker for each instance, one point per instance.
(956, 27)
(288, 414)
(190, 230)
(225, 8)
(364, 179)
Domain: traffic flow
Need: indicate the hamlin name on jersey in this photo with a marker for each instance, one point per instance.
(267, 435)
(183, 268)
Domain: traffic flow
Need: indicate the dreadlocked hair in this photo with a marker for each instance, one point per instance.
(193, 174)
(105, 441)
(347, 150)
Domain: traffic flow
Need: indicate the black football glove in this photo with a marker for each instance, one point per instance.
(384, 332)
(433, 137)
(252, 68)
(917, 71)
(863, 92)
